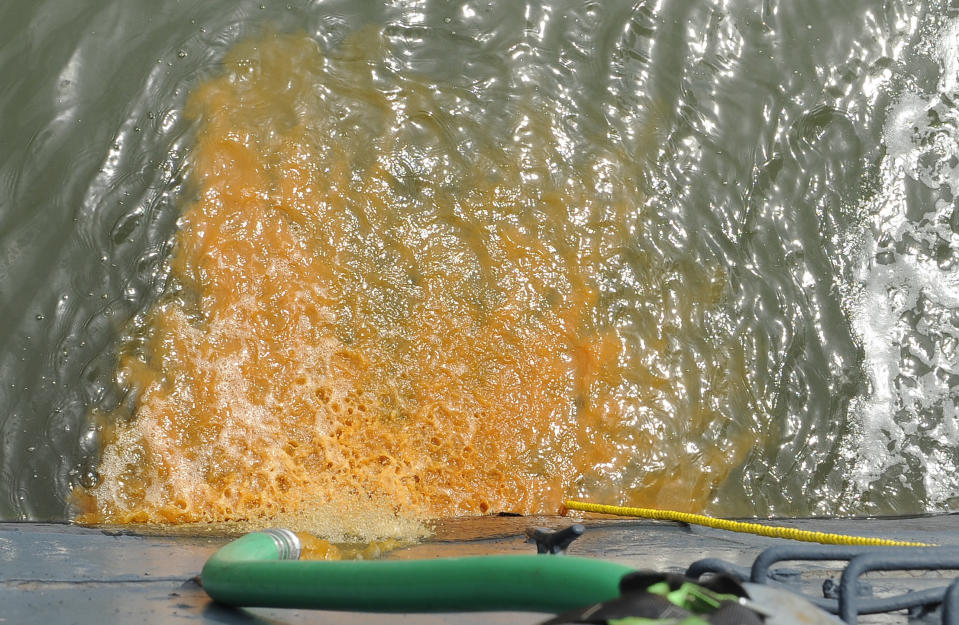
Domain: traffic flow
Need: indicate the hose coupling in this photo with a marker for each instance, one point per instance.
(287, 543)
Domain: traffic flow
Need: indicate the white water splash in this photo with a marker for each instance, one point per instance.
(906, 309)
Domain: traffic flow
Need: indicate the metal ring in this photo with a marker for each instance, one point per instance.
(287, 543)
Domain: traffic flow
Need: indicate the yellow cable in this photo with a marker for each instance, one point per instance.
(773, 531)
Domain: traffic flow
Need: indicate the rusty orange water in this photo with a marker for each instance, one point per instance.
(367, 314)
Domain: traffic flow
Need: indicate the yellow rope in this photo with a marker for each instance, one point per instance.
(773, 531)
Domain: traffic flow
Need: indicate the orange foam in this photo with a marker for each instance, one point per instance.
(346, 324)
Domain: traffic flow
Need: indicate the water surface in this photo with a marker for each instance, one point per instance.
(701, 254)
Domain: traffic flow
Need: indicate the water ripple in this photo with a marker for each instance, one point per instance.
(763, 160)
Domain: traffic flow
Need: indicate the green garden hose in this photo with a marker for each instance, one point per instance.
(262, 569)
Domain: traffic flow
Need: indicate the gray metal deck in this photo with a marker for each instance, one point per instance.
(52, 574)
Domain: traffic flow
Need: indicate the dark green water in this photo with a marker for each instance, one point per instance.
(808, 149)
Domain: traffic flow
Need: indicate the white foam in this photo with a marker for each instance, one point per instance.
(905, 298)
(899, 131)
(947, 51)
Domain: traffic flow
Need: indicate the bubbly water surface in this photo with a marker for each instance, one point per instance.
(426, 258)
